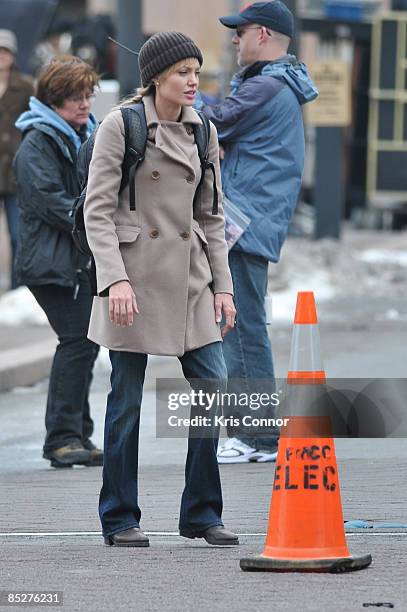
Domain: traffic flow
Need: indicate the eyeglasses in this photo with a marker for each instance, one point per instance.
(82, 98)
(241, 31)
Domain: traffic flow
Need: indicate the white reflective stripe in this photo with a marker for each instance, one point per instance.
(67, 534)
(305, 353)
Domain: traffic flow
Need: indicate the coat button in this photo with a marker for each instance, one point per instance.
(190, 178)
(155, 175)
(154, 233)
(185, 235)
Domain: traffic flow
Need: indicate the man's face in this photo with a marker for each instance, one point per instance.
(246, 40)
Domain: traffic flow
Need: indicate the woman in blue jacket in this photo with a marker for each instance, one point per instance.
(58, 121)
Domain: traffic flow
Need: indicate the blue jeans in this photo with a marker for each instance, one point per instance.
(68, 414)
(201, 504)
(247, 348)
(12, 215)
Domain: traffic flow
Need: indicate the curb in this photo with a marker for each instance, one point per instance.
(26, 365)
(31, 363)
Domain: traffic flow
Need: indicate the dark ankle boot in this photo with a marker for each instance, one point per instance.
(129, 537)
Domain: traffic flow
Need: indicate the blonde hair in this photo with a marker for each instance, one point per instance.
(189, 62)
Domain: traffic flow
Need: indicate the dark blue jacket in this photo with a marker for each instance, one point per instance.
(47, 185)
(261, 128)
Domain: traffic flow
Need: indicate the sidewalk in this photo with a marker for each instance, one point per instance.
(25, 355)
(26, 352)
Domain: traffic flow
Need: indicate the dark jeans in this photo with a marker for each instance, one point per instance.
(68, 417)
(247, 348)
(12, 215)
(201, 504)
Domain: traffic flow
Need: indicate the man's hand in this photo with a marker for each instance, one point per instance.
(224, 303)
(221, 152)
(122, 304)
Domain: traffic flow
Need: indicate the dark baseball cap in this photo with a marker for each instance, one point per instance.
(274, 15)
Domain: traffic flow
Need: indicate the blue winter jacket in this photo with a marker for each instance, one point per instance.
(260, 126)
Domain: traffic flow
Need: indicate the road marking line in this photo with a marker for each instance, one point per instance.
(51, 534)
(376, 532)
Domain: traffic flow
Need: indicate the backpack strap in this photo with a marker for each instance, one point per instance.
(202, 134)
(135, 135)
(83, 160)
(135, 142)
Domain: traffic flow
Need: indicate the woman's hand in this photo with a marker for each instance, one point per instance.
(224, 303)
(122, 304)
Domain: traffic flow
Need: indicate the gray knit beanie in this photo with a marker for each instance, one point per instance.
(162, 51)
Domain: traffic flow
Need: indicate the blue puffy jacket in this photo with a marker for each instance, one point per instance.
(260, 126)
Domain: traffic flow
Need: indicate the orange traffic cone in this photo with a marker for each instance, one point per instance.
(306, 531)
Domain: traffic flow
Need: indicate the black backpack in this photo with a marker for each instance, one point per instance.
(135, 132)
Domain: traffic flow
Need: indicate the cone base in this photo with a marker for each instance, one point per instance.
(332, 566)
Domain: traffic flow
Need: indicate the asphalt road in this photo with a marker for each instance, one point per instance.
(49, 528)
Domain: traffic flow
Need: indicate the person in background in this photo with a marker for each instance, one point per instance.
(15, 92)
(58, 121)
(261, 130)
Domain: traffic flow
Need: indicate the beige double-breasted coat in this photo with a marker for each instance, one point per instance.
(173, 254)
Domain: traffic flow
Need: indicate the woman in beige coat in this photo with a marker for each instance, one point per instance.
(163, 284)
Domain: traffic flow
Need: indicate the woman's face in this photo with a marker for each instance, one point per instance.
(76, 110)
(6, 59)
(179, 88)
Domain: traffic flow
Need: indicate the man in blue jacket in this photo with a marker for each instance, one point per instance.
(261, 130)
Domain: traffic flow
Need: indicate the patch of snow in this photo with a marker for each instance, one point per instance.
(383, 256)
(392, 315)
(347, 268)
(103, 361)
(38, 387)
(283, 302)
(19, 306)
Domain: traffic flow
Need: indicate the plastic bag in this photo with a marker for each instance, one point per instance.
(236, 222)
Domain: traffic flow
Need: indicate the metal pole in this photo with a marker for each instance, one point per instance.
(292, 5)
(228, 66)
(129, 27)
(328, 195)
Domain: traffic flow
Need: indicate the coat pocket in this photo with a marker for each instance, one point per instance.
(127, 233)
(199, 231)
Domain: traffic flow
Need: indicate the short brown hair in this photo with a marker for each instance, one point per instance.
(63, 78)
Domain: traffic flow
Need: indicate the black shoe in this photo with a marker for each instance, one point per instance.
(218, 536)
(96, 454)
(69, 455)
(129, 537)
